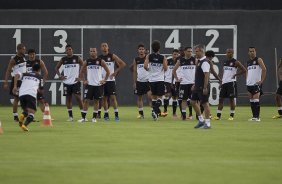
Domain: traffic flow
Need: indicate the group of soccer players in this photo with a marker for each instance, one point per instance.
(184, 78)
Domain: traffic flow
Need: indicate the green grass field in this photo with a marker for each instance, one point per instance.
(142, 151)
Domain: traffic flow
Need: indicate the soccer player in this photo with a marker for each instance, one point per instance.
(279, 92)
(32, 60)
(201, 88)
(16, 65)
(229, 86)
(157, 65)
(110, 85)
(140, 79)
(255, 77)
(31, 82)
(70, 78)
(170, 88)
(94, 89)
(187, 80)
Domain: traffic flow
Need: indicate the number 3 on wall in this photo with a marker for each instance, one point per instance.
(63, 37)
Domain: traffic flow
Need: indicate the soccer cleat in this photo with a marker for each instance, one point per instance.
(24, 128)
(230, 118)
(206, 127)
(154, 116)
(82, 120)
(140, 117)
(163, 114)
(21, 120)
(106, 118)
(200, 124)
(216, 118)
(16, 118)
(70, 119)
(117, 119)
(277, 116)
(94, 120)
(258, 119)
(254, 119)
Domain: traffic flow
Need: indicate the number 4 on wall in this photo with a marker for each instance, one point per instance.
(173, 40)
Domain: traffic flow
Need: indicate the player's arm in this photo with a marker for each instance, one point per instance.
(263, 71)
(146, 63)
(12, 63)
(82, 73)
(104, 65)
(243, 70)
(120, 63)
(44, 69)
(58, 71)
(134, 73)
(206, 67)
(165, 64)
(213, 71)
(176, 66)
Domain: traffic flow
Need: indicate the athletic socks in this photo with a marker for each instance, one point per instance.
(280, 110)
(106, 114)
(179, 104)
(174, 106)
(141, 112)
(218, 113)
(190, 108)
(232, 112)
(95, 113)
(83, 114)
(200, 118)
(158, 104)
(29, 119)
(208, 122)
(70, 113)
(116, 112)
(166, 103)
(255, 106)
(99, 112)
(183, 114)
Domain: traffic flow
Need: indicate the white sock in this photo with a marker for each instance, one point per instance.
(201, 118)
(208, 122)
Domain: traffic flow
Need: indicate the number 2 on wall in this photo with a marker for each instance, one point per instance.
(215, 34)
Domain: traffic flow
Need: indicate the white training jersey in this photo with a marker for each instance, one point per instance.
(254, 72)
(94, 71)
(71, 69)
(142, 74)
(111, 65)
(168, 72)
(229, 70)
(156, 67)
(30, 84)
(188, 69)
(20, 66)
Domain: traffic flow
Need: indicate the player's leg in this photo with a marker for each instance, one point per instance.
(140, 107)
(114, 102)
(207, 113)
(278, 101)
(197, 109)
(232, 107)
(256, 102)
(31, 109)
(76, 90)
(15, 108)
(95, 110)
(219, 108)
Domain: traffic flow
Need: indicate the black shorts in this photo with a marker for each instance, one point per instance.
(228, 90)
(93, 92)
(176, 89)
(168, 87)
(70, 89)
(197, 95)
(142, 88)
(279, 89)
(255, 89)
(157, 88)
(28, 101)
(19, 82)
(109, 88)
(185, 91)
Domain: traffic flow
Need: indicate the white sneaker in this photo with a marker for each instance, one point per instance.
(94, 120)
(82, 120)
(254, 119)
(70, 119)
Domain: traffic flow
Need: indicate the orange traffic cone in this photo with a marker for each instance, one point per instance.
(1, 129)
(47, 121)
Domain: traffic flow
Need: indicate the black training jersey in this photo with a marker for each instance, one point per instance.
(71, 69)
(199, 74)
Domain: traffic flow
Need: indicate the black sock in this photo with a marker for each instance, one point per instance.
(141, 112)
(218, 114)
(202, 109)
(29, 119)
(116, 114)
(280, 111)
(174, 107)
(83, 114)
(232, 114)
(158, 104)
(257, 109)
(190, 110)
(95, 114)
(179, 104)
(253, 108)
(166, 103)
(70, 112)
(106, 114)
(183, 115)
(154, 106)
(25, 114)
